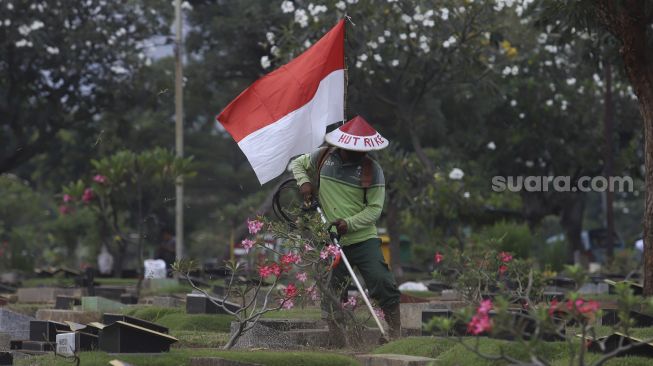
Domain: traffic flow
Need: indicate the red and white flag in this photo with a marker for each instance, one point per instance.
(286, 112)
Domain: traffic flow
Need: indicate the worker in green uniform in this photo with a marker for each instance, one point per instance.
(351, 190)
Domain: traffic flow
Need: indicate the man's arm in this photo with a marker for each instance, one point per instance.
(371, 213)
(300, 167)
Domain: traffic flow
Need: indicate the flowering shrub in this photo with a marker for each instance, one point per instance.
(297, 271)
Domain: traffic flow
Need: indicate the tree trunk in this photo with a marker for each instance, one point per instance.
(392, 223)
(571, 220)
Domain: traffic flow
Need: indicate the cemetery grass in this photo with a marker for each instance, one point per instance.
(177, 357)
(450, 352)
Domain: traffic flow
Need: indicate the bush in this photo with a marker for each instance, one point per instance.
(507, 237)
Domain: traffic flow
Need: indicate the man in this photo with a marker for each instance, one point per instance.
(351, 190)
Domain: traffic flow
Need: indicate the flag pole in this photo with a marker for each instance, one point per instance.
(344, 62)
(179, 134)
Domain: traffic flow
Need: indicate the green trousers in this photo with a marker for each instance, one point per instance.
(379, 281)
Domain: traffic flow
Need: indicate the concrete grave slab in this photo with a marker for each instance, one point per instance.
(393, 360)
(46, 294)
(100, 304)
(15, 324)
(167, 301)
(62, 316)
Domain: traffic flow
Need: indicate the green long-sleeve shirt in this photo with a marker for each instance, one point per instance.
(341, 193)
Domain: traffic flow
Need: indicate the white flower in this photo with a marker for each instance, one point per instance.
(491, 145)
(186, 6)
(10, 6)
(386, 33)
(275, 51)
(418, 17)
(363, 57)
(444, 13)
(428, 23)
(466, 194)
(24, 30)
(23, 43)
(316, 9)
(52, 50)
(449, 42)
(515, 70)
(270, 37)
(301, 18)
(7, 22)
(429, 13)
(541, 39)
(406, 18)
(394, 62)
(287, 6)
(403, 36)
(571, 81)
(425, 47)
(551, 48)
(412, 35)
(341, 5)
(373, 45)
(117, 69)
(506, 70)
(307, 43)
(265, 62)
(423, 38)
(377, 57)
(549, 102)
(513, 103)
(36, 25)
(529, 163)
(456, 174)
(359, 64)
(381, 39)
(352, 1)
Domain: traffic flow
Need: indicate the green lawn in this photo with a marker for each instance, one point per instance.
(179, 357)
(449, 352)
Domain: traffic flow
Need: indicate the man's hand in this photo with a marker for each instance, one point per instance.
(306, 190)
(341, 226)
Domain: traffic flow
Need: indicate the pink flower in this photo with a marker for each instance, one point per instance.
(438, 257)
(101, 179)
(479, 324)
(312, 293)
(290, 258)
(379, 313)
(505, 257)
(287, 304)
(67, 198)
(301, 277)
(65, 210)
(351, 303)
(88, 195)
(247, 244)
(329, 250)
(485, 307)
(276, 270)
(503, 269)
(264, 271)
(291, 291)
(590, 307)
(553, 307)
(254, 226)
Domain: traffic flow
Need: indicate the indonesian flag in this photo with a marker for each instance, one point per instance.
(285, 113)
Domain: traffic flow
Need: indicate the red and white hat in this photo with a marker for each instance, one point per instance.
(356, 135)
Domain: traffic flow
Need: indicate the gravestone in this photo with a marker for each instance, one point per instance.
(109, 319)
(15, 324)
(610, 343)
(65, 302)
(128, 299)
(611, 317)
(100, 304)
(638, 288)
(200, 304)
(6, 359)
(46, 330)
(122, 337)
